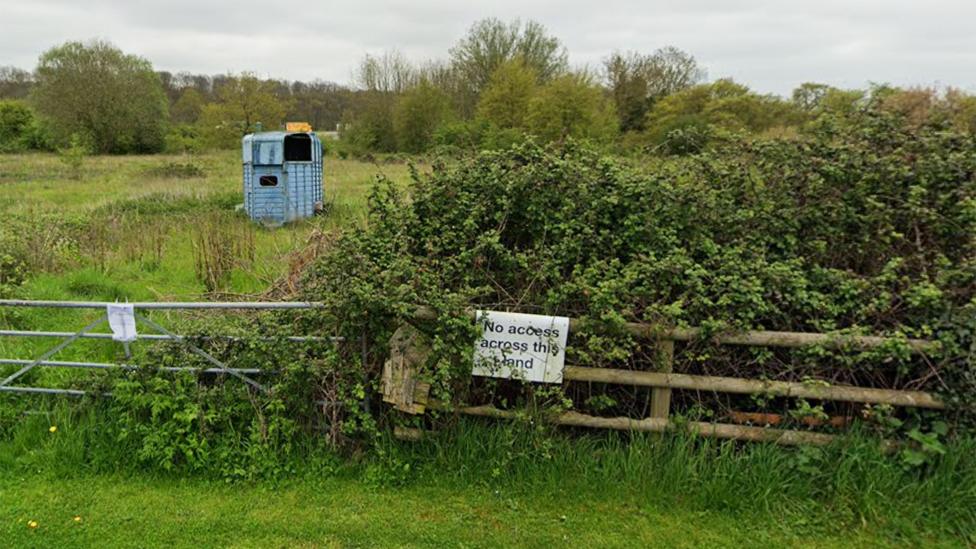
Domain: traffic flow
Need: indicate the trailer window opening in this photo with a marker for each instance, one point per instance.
(298, 148)
(268, 181)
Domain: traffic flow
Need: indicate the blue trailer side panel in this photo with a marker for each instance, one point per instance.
(282, 176)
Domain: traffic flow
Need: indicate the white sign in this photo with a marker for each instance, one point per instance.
(122, 319)
(521, 346)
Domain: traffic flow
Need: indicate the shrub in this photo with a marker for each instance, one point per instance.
(73, 155)
(505, 102)
(368, 124)
(867, 227)
(572, 106)
(18, 129)
(418, 114)
(459, 135)
(721, 105)
(183, 139)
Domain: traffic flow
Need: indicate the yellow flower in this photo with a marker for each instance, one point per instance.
(32, 524)
(53, 428)
(77, 518)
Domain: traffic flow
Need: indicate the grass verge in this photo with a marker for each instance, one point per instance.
(484, 484)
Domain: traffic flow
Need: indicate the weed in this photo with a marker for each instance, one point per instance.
(73, 156)
(220, 246)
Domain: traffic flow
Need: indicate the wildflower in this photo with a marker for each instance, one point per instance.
(53, 428)
(32, 524)
(77, 518)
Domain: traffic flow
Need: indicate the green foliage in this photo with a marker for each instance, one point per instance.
(567, 106)
(855, 228)
(185, 139)
(418, 114)
(19, 130)
(505, 101)
(460, 135)
(368, 125)
(572, 106)
(13, 271)
(636, 81)
(113, 100)
(243, 102)
(73, 155)
(219, 425)
(722, 105)
(188, 107)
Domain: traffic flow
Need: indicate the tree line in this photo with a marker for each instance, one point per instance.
(499, 83)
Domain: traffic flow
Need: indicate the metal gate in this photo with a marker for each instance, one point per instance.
(161, 334)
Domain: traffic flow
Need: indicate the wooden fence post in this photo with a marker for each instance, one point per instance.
(401, 387)
(661, 396)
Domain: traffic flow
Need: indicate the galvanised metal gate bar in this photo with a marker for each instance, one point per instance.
(163, 335)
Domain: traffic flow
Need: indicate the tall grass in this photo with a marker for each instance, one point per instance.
(220, 245)
(851, 483)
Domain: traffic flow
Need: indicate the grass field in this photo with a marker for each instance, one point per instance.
(135, 228)
(142, 512)
(127, 199)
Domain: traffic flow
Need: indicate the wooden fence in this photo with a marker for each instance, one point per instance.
(402, 388)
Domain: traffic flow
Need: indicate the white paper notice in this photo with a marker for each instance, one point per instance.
(521, 346)
(122, 319)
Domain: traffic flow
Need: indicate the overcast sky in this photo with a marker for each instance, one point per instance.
(770, 45)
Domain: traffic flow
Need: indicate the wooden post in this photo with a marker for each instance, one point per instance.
(661, 396)
(401, 388)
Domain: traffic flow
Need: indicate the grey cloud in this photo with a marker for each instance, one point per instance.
(770, 45)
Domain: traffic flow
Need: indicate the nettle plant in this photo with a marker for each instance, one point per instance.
(217, 423)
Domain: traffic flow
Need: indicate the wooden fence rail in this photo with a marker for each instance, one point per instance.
(662, 382)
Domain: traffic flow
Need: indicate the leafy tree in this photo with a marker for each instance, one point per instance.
(95, 90)
(17, 127)
(188, 107)
(636, 81)
(418, 114)
(820, 99)
(572, 106)
(505, 101)
(491, 42)
(963, 109)
(916, 105)
(368, 123)
(450, 80)
(809, 96)
(721, 105)
(242, 102)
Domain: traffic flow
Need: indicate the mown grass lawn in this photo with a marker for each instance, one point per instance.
(142, 512)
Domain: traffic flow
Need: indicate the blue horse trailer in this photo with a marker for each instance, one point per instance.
(282, 176)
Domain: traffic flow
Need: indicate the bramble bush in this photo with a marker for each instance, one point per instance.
(860, 225)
